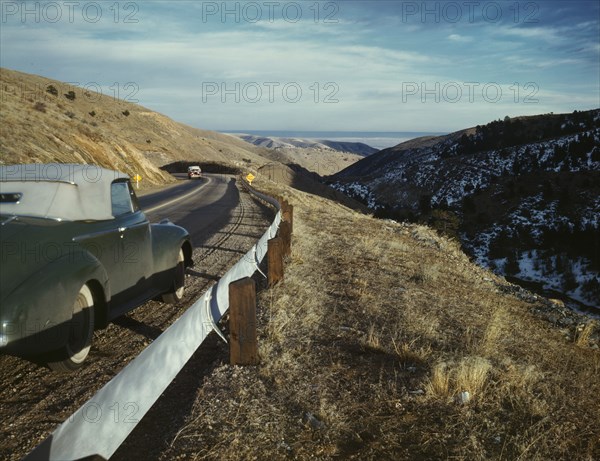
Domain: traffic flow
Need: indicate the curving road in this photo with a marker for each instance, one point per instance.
(223, 222)
(199, 205)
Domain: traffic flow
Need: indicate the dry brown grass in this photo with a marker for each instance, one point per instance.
(321, 162)
(368, 345)
(451, 379)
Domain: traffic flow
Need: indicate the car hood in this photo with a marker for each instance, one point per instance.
(27, 246)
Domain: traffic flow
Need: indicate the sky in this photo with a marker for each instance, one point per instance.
(309, 65)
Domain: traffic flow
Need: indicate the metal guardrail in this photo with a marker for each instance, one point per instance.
(103, 423)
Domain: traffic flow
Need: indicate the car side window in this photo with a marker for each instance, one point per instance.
(121, 200)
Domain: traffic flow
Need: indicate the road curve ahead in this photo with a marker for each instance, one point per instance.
(202, 206)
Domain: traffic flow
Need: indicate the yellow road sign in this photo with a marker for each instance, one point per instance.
(137, 178)
(250, 177)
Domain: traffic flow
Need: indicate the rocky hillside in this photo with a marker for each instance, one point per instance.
(522, 194)
(43, 120)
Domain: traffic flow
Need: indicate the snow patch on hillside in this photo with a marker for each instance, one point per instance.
(358, 192)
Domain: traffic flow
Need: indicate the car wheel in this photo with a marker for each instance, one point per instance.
(178, 285)
(81, 331)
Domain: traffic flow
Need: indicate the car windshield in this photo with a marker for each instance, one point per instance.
(121, 203)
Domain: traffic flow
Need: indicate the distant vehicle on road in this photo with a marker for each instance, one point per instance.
(76, 252)
(194, 172)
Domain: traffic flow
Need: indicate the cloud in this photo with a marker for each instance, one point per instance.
(547, 34)
(460, 38)
(542, 63)
(170, 53)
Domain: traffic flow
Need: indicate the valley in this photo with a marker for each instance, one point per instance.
(521, 195)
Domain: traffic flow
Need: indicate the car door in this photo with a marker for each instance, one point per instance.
(133, 263)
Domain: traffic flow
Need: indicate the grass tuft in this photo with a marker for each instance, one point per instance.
(471, 375)
(584, 333)
(438, 384)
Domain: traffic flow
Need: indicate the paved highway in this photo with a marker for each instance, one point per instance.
(201, 205)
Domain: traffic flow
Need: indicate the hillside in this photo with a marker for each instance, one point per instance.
(385, 342)
(522, 195)
(44, 120)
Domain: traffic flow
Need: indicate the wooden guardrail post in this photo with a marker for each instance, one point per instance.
(288, 215)
(285, 232)
(274, 261)
(243, 345)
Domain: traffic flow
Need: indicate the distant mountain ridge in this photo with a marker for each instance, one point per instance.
(523, 194)
(274, 142)
(322, 158)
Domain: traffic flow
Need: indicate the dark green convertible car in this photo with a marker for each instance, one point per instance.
(76, 252)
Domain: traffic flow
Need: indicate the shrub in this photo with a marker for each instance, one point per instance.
(126, 113)
(52, 90)
(70, 95)
(40, 106)
(92, 113)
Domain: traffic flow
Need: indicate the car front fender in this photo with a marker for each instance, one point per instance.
(167, 239)
(36, 316)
